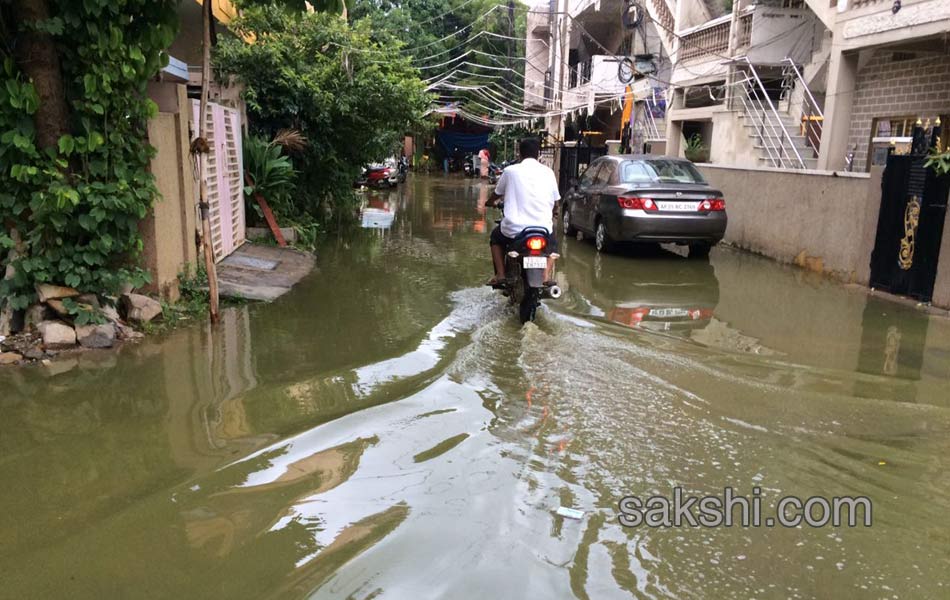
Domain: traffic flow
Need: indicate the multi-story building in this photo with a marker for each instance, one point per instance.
(799, 84)
(575, 52)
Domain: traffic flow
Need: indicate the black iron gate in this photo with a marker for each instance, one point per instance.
(574, 159)
(909, 228)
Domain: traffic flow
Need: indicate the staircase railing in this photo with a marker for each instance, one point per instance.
(758, 106)
(812, 116)
(651, 129)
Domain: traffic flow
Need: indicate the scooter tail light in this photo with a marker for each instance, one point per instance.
(536, 243)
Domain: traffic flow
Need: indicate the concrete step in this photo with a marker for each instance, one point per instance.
(805, 153)
(810, 163)
(754, 119)
(790, 125)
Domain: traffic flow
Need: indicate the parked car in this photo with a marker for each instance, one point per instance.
(381, 175)
(645, 199)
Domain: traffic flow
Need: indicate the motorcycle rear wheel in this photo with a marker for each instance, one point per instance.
(529, 305)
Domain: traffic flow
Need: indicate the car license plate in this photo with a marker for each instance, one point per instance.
(678, 206)
(535, 262)
(668, 313)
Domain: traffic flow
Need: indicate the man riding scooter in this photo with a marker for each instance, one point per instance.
(530, 193)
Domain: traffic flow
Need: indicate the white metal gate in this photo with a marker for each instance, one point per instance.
(224, 173)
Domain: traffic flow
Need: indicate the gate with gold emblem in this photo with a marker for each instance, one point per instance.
(909, 228)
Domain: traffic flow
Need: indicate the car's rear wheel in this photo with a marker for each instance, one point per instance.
(569, 229)
(602, 240)
(699, 250)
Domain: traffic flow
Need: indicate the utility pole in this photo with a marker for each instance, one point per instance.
(510, 73)
(199, 147)
(560, 50)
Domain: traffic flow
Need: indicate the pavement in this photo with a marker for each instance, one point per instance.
(255, 272)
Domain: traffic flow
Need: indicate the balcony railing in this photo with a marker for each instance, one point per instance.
(745, 29)
(707, 41)
(665, 17)
(712, 39)
(861, 3)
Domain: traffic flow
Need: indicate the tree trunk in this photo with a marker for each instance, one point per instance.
(37, 57)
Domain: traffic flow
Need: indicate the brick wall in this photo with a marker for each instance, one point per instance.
(889, 88)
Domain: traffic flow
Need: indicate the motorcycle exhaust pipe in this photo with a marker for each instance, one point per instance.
(553, 292)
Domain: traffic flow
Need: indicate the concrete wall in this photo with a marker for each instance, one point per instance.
(168, 231)
(941, 295)
(897, 88)
(822, 221)
(730, 142)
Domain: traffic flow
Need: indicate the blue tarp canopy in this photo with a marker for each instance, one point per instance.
(465, 142)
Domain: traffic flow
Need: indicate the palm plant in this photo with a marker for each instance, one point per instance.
(270, 172)
(695, 150)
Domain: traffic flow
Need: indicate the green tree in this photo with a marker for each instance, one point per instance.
(347, 90)
(74, 185)
(458, 32)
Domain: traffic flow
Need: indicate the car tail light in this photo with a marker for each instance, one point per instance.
(634, 203)
(536, 243)
(713, 204)
(628, 316)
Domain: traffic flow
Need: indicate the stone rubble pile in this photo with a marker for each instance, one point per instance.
(47, 327)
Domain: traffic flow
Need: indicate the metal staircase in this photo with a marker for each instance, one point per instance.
(785, 131)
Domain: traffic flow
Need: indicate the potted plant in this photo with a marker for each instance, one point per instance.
(695, 150)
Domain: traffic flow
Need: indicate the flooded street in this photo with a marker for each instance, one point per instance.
(388, 430)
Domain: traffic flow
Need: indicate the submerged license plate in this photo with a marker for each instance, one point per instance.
(535, 262)
(678, 206)
(667, 313)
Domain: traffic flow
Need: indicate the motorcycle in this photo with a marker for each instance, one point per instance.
(494, 172)
(468, 165)
(526, 262)
(403, 170)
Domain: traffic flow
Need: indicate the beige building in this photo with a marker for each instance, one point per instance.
(574, 51)
(806, 84)
(795, 84)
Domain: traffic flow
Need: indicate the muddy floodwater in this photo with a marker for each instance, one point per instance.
(388, 430)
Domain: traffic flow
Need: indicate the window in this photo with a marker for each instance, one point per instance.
(673, 171)
(587, 179)
(634, 172)
(605, 175)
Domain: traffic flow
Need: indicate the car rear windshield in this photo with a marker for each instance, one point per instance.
(659, 171)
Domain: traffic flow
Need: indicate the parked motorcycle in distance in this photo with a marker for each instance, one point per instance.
(382, 175)
(468, 165)
(526, 262)
(403, 169)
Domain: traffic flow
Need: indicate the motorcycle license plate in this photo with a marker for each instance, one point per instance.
(535, 262)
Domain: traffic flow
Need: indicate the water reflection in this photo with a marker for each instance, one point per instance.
(378, 211)
(643, 288)
(389, 421)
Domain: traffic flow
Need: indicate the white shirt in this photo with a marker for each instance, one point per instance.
(530, 191)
